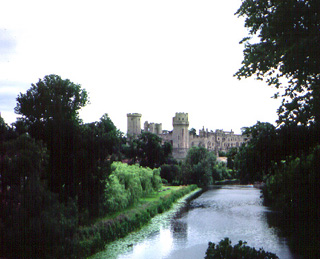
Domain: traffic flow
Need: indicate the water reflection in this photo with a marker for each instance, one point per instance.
(229, 211)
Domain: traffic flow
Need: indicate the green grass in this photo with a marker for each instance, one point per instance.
(151, 198)
(166, 190)
(93, 238)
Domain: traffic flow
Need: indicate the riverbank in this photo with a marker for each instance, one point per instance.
(228, 182)
(92, 239)
(233, 211)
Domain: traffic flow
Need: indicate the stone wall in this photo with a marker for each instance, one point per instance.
(182, 140)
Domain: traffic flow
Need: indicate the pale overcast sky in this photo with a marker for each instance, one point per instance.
(151, 57)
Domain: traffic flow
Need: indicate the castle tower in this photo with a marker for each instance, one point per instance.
(134, 124)
(158, 128)
(180, 135)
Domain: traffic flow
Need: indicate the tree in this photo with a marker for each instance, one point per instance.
(198, 166)
(171, 173)
(255, 160)
(98, 142)
(49, 111)
(193, 131)
(33, 223)
(225, 250)
(149, 150)
(51, 99)
(289, 36)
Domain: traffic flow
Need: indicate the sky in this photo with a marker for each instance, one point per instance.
(154, 57)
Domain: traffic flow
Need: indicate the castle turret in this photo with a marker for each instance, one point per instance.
(180, 134)
(134, 124)
(158, 128)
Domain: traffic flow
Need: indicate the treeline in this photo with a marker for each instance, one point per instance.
(224, 250)
(58, 174)
(199, 167)
(286, 158)
(54, 171)
(287, 161)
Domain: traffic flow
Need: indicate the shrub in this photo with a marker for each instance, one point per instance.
(127, 184)
(224, 250)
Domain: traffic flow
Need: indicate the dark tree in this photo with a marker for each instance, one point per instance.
(255, 160)
(49, 112)
(149, 150)
(198, 166)
(99, 141)
(288, 47)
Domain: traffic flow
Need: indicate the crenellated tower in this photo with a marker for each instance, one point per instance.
(180, 134)
(134, 124)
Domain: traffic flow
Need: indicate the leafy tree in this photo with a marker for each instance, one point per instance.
(224, 250)
(49, 112)
(6, 132)
(198, 166)
(172, 173)
(193, 131)
(149, 150)
(51, 99)
(220, 171)
(254, 160)
(230, 157)
(127, 184)
(33, 223)
(289, 36)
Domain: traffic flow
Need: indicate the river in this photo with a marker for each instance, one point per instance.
(184, 232)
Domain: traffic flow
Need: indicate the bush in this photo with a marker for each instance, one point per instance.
(224, 250)
(127, 184)
(293, 189)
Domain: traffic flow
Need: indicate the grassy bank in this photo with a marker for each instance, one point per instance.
(92, 239)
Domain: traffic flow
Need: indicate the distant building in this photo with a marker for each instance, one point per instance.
(134, 124)
(182, 140)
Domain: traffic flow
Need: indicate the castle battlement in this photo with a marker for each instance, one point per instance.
(182, 140)
(181, 118)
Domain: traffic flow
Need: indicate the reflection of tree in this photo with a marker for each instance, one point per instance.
(179, 229)
(274, 221)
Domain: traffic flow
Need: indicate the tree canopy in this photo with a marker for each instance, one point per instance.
(288, 34)
(149, 150)
(51, 98)
(198, 166)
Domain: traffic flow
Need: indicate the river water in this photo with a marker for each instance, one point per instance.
(184, 232)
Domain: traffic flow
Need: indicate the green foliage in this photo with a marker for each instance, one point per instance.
(293, 190)
(51, 99)
(221, 172)
(193, 131)
(289, 35)
(49, 112)
(231, 156)
(148, 150)
(224, 250)
(33, 223)
(222, 154)
(156, 180)
(127, 184)
(172, 173)
(91, 239)
(269, 146)
(254, 160)
(198, 166)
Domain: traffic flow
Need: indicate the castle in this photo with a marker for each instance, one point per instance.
(180, 137)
